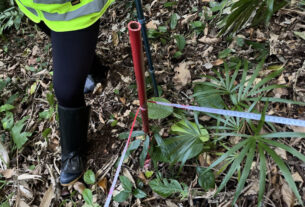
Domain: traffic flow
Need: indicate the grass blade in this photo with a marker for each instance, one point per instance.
(246, 171)
(284, 169)
(262, 175)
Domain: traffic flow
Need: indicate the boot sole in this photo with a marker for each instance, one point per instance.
(72, 182)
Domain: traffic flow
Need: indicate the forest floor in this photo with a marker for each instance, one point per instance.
(25, 58)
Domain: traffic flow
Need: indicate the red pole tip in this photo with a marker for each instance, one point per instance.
(134, 26)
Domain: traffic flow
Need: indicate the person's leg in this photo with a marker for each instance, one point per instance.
(73, 54)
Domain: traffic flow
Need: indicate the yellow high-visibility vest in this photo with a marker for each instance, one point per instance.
(64, 15)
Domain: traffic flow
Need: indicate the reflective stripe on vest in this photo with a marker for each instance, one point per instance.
(51, 2)
(90, 8)
(33, 11)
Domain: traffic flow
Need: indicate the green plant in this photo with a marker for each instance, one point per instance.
(166, 188)
(10, 17)
(244, 11)
(245, 150)
(180, 42)
(89, 178)
(129, 190)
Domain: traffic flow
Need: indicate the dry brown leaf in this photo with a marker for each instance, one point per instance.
(298, 129)
(127, 174)
(170, 204)
(279, 92)
(182, 75)
(152, 24)
(35, 50)
(23, 204)
(29, 177)
(102, 183)
(281, 152)
(218, 62)
(209, 40)
(115, 38)
(142, 177)
(79, 187)
(123, 100)
(47, 198)
(8, 173)
(297, 178)
(287, 195)
(188, 18)
(253, 190)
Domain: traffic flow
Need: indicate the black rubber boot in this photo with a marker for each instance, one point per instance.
(73, 126)
(97, 74)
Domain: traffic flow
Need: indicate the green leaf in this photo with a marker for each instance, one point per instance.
(139, 193)
(144, 151)
(162, 29)
(225, 53)
(47, 114)
(19, 137)
(182, 128)
(122, 196)
(170, 4)
(206, 179)
(156, 111)
(178, 54)
(125, 135)
(165, 188)
(180, 42)
(212, 99)
(285, 171)
(245, 172)
(148, 173)
(46, 132)
(173, 21)
(87, 195)
(126, 183)
(8, 121)
(89, 177)
(6, 107)
(235, 165)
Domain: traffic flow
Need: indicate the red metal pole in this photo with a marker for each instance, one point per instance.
(134, 29)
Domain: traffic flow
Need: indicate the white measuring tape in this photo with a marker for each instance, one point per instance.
(246, 115)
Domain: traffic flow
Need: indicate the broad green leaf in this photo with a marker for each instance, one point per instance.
(178, 54)
(165, 188)
(180, 42)
(8, 120)
(182, 128)
(19, 137)
(139, 193)
(206, 179)
(87, 195)
(6, 107)
(174, 21)
(148, 173)
(212, 99)
(33, 88)
(89, 177)
(46, 132)
(126, 183)
(122, 196)
(156, 111)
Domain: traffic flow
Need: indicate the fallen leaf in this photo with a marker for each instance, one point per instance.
(115, 39)
(279, 92)
(8, 173)
(182, 75)
(79, 187)
(35, 50)
(209, 40)
(152, 24)
(287, 195)
(102, 183)
(170, 204)
(218, 62)
(281, 152)
(23, 204)
(29, 177)
(297, 178)
(47, 197)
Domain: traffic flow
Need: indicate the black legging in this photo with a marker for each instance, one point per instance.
(73, 54)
